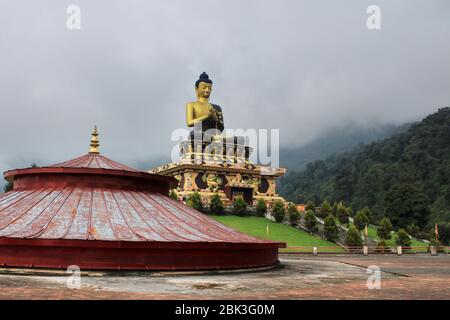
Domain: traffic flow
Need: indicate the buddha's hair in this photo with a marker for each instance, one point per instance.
(203, 78)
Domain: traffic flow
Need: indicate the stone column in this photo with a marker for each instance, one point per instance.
(433, 250)
(365, 250)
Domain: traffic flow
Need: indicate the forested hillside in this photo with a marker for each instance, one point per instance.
(336, 140)
(405, 177)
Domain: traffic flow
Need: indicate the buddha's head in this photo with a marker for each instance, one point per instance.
(203, 86)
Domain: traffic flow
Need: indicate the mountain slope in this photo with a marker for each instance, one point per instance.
(405, 177)
(336, 140)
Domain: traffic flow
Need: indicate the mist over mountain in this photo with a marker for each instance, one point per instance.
(405, 177)
(301, 66)
(336, 140)
(331, 141)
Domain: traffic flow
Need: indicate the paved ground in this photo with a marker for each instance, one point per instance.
(297, 277)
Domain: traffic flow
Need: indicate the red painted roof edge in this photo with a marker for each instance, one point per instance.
(140, 244)
(10, 174)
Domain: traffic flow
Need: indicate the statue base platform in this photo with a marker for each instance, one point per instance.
(222, 168)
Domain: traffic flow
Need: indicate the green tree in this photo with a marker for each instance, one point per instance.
(402, 238)
(444, 233)
(406, 204)
(293, 214)
(353, 237)
(310, 221)
(360, 220)
(368, 213)
(325, 209)
(310, 205)
(435, 243)
(240, 207)
(350, 211)
(195, 201)
(261, 208)
(381, 246)
(8, 186)
(216, 205)
(413, 230)
(342, 213)
(344, 180)
(278, 211)
(173, 195)
(334, 209)
(331, 230)
(384, 229)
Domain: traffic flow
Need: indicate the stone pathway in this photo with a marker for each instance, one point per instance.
(298, 277)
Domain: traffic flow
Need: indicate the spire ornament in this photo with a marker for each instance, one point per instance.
(94, 142)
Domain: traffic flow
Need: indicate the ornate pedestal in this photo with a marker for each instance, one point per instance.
(221, 167)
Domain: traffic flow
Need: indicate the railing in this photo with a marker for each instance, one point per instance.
(366, 250)
(310, 249)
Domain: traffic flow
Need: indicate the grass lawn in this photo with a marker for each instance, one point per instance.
(256, 227)
(414, 242)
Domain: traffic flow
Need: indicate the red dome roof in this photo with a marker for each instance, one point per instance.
(97, 213)
(93, 160)
(94, 213)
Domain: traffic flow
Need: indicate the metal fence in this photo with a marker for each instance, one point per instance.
(366, 250)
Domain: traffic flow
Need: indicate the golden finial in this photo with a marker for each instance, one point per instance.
(94, 142)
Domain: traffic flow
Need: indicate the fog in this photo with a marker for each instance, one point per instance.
(299, 66)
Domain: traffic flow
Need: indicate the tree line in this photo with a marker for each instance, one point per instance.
(405, 178)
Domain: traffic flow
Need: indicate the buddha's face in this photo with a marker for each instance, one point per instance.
(204, 90)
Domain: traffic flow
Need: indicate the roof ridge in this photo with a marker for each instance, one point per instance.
(86, 160)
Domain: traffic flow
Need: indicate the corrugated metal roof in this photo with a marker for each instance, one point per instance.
(85, 213)
(92, 160)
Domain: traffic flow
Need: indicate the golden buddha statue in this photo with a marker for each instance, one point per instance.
(201, 114)
(207, 142)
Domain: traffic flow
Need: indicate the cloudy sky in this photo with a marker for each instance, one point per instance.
(300, 66)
